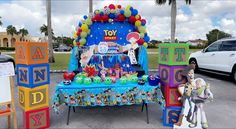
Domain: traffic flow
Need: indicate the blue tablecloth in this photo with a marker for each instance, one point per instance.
(106, 95)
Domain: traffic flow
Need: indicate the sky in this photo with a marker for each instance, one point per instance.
(193, 21)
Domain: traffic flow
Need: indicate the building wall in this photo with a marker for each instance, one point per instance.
(9, 41)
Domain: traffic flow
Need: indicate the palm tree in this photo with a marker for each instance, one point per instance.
(11, 30)
(44, 29)
(49, 30)
(173, 14)
(0, 21)
(23, 32)
(90, 6)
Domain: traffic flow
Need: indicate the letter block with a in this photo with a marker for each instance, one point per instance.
(173, 53)
(32, 75)
(37, 119)
(33, 98)
(172, 96)
(31, 52)
(171, 116)
(171, 75)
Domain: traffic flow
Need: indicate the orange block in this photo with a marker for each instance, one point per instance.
(31, 52)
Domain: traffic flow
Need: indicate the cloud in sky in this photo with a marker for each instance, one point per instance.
(193, 21)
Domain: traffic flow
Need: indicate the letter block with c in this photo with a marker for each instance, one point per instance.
(171, 116)
(32, 75)
(171, 75)
(31, 52)
(36, 119)
(33, 98)
(173, 53)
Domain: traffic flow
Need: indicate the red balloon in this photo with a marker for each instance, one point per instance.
(80, 30)
(97, 17)
(93, 19)
(78, 43)
(119, 6)
(132, 19)
(78, 33)
(140, 41)
(66, 75)
(112, 6)
(105, 18)
(121, 17)
(105, 7)
(71, 76)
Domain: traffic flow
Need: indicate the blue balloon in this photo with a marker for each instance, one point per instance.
(131, 8)
(143, 23)
(134, 12)
(111, 15)
(77, 40)
(80, 24)
(101, 13)
(146, 38)
(85, 17)
(122, 11)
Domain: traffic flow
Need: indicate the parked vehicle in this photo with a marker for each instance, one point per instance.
(219, 57)
(6, 58)
(63, 48)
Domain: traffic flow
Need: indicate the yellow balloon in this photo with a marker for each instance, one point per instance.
(138, 23)
(128, 7)
(75, 35)
(74, 43)
(88, 31)
(145, 44)
(96, 12)
(84, 27)
(137, 17)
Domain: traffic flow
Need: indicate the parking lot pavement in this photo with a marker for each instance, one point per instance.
(221, 112)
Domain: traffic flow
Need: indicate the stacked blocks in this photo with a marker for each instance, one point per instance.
(172, 59)
(33, 80)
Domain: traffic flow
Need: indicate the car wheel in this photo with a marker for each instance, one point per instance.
(234, 74)
(194, 61)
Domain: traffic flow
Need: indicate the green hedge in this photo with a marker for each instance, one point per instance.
(7, 48)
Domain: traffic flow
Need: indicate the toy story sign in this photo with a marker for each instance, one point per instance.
(110, 35)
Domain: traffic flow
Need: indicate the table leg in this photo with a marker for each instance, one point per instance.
(147, 113)
(74, 108)
(68, 117)
(142, 106)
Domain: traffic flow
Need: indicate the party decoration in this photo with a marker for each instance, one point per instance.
(87, 81)
(107, 80)
(97, 80)
(90, 70)
(145, 78)
(134, 79)
(153, 80)
(79, 79)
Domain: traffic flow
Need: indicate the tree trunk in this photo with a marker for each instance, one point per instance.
(51, 56)
(173, 20)
(90, 6)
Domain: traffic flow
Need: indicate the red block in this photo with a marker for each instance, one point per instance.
(37, 119)
(172, 94)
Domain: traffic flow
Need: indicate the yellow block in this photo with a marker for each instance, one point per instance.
(33, 98)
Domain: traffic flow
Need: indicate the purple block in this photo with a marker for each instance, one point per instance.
(171, 75)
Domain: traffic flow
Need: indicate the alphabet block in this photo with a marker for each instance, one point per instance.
(173, 53)
(32, 75)
(171, 116)
(171, 75)
(172, 95)
(33, 98)
(31, 52)
(37, 119)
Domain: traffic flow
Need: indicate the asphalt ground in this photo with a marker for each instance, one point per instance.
(221, 113)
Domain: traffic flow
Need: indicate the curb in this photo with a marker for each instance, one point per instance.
(62, 71)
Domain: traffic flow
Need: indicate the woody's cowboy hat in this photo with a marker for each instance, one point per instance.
(186, 70)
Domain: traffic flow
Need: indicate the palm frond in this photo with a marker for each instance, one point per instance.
(160, 2)
(188, 1)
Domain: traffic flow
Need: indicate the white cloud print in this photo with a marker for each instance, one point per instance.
(193, 21)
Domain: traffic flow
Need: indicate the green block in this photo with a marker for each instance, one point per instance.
(173, 53)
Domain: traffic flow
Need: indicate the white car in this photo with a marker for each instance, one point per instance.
(219, 57)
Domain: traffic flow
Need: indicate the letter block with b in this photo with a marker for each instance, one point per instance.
(173, 53)
(31, 52)
(36, 119)
(32, 75)
(33, 98)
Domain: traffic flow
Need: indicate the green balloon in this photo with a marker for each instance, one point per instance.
(123, 80)
(97, 80)
(145, 78)
(87, 81)
(127, 13)
(88, 21)
(107, 80)
(142, 29)
(79, 80)
(82, 41)
(112, 11)
(110, 20)
(83, 34)
(141, 35)
(134, 79)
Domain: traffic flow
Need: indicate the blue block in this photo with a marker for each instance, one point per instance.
(32, 75)
(171, 115)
